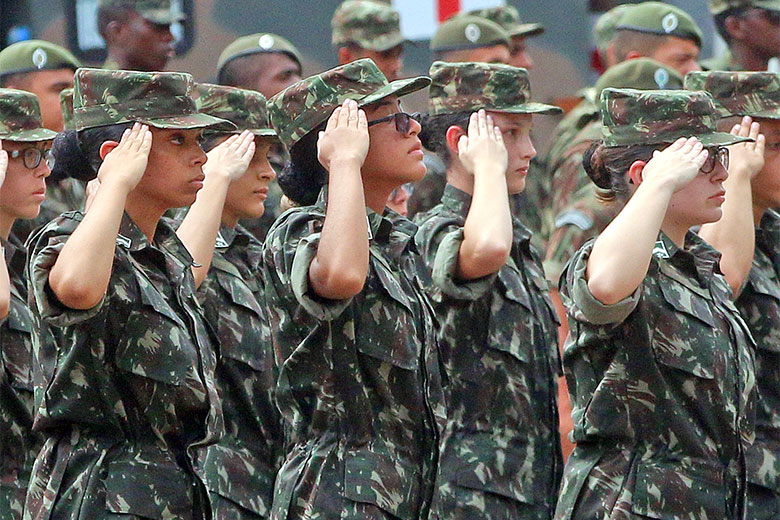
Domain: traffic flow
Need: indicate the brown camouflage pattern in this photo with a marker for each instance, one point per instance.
(372, 25)
(755, 94)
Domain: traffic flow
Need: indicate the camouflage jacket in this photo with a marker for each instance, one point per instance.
(759, 304)
(359, 383)
(243, 466)
(127, 397)
(585, 112)
(663, 392)
(499, 344)
(18, 443)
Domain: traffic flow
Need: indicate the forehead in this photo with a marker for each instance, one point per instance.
(504, 119)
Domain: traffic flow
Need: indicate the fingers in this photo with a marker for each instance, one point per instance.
(745, 127)
(362, 120)
(463, 143)
(760, 144)
(146, 140)
(333, 120)
(344, 115)
(473, 124)
(482, 121)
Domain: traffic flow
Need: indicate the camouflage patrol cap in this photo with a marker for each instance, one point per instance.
(640, 74)
(754, 94)
(632, 116)
(257, 44)
(246, 109)
(720, 6)
(372, 25)
(66, 105)
(161, 12)
(35, 55)
(20, 117)
(468, 32)
(661, 19)
(606, 26)
(160, 99)
(303, 106)
(467, 87)
(508, 17)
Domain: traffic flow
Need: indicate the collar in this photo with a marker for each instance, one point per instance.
(132, 239)
(696, 258)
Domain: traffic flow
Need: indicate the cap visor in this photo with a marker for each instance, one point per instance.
(530, 108)
(186, 122)
(384, 44)
(30, 136)
(527, 29)
(163, 16)
(398, 88)
(721, 139)
(767, 114)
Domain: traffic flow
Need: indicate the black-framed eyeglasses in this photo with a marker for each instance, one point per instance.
(402, 121)
(719, 154)
(32, 157)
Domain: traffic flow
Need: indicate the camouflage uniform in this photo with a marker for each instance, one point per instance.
(371, 25)
(662, 383)
(127, 396)
(359, 385)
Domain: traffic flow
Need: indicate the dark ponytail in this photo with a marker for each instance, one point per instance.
(607, 167)
(303, 177)
(77, 154)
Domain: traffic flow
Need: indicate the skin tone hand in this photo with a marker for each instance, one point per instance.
(5, 281)
(677, 165)
(339, 269)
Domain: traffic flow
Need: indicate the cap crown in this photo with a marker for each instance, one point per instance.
(755, 94)
(33, 55)
(20, 117)
(640, 74)
(468, 32)
(256, 44)
(719, 6)
(66, 105)
(607, 24)
(368, 24)
(662, 19)
(246, 109)
(508, 17)
(157, 11)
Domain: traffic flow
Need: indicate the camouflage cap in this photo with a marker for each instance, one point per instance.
(468, 32)
(161, 12)
(606, 26)
(35, 55)
(662, 19)
(754, 94)
(257, 44)
(640, 74)
(66, 105)
(302, 107)
(720, 6)
(372, 25)
(160, 99)
(20, 117)
(632, 116)
(246, 109)
(467, 87)
(508, 17)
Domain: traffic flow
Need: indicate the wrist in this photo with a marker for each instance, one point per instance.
(347, 162)
(120, 186)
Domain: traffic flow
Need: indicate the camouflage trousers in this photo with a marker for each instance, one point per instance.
(460, 503)
(762, 503)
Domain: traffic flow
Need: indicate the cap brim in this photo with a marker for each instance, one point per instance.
(766, 114)
(189, 121)
(384, 44)
(529, 108)
(398, 88)
(721, 139)
(527, 29)
(163, 16)
(30, 136)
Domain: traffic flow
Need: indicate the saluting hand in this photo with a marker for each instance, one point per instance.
(345, 137)
(231, 158)
(747, 157)
(483, 148)
(126, 163)
(677, 165)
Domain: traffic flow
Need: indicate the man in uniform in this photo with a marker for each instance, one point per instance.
(137, 33)
(751, 28)
(508, 17)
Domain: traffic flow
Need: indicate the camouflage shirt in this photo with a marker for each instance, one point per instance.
(663, 392)
(19, 444)
(127, 397)
(499, 344)
(243, 466)
(359, 384)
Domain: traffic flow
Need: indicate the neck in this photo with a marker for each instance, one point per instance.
(229, 219)
(6, 223)
(376, 195)
(457, 177)
(143, 214)
(676, 231)
(748, 58)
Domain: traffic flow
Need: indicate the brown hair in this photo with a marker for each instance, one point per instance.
(607, 167)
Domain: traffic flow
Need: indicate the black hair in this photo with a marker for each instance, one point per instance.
(209, 141)
(607, 166)
(720, 21)
(303, 177)
(434, 132)
(77, 154)
(106, 15)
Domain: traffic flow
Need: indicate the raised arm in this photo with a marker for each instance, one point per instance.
(5, 280)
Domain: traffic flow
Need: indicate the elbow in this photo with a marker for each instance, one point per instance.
(74, 293)
(604, 290)
(484, 259)
(337, 284)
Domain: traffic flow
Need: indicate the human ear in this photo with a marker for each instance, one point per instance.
(106, 147)
(635, 172)
(452, 137)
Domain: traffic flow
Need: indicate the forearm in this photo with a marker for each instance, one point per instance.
(5, 287)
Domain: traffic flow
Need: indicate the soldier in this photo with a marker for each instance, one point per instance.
(369, 29)
(138, 33)
(359, 386)
(751, 28)
(757, 94)
(507, 17)
(28, 144)
(126, 397)
(501, 457)
(659, 362)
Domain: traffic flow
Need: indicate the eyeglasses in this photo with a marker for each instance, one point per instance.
(32, 157)
(402, 121)
(720, 155)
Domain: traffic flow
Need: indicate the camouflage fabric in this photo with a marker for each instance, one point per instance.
(719, 6)
(161, 12)
(62, 195)
(468, 32)
(20, 444)
(35, 55)
(20, 117)
(467, 87)
(759, 304)
(160, 99)
(498, 340)
(662, 386)
(508, 17)
(662, 19)
(66, 105)
(127, 397)
(368, 24)
(240, 470)
(724, 62)
(256, 44)
(302, 107)
(632, 116)
(359, 385)
(755, 94)
(246, 109)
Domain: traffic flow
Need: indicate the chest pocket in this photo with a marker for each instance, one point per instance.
(242, 329)
(511, 317)
(17, 345)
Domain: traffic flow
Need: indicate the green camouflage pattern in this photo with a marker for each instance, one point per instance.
(240, 470)
(375, 26)
(631, 116)
(508, 17)
(256, 44)
(126, 393)
(359, 385)
(160, 99)
(468, 87)
(498, 340)
(302, 107)
(663, 394)
(468, 32)
(246, 109)
(719, 6)
(66, 105)
(20, 117)
(161, 12)
(605, 27)
(759, 304)
(35, 55)
(20, 444)
(662, 19)
(754, 94)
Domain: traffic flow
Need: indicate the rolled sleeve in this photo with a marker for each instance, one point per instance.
(445, 267)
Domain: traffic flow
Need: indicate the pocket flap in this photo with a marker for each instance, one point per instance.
(239, 292)
(685, 355)
(692, 303)
(240, 477)
(19, 318)
(514, 289)
(148, 490)
(391, 485)
(150, 297)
